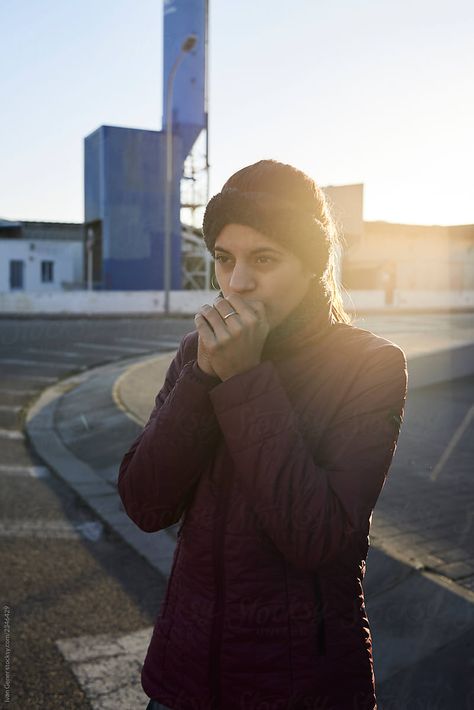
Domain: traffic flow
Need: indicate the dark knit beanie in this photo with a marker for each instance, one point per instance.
(295, 228)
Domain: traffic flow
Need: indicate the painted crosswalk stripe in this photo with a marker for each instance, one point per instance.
(32, 376)
(116, 348)
(16, 470)
(11, 434)
(59, 353)
(10, 407)
(7, 390)
(107, 667)
(139, 341)
(151, 343)
(36, 363)
(51, 529)
(169, 344)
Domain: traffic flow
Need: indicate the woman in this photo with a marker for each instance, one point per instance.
(273, 433)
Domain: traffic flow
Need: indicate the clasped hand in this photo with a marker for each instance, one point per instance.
(234, 345)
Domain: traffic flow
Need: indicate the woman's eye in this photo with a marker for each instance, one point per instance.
(260, 259)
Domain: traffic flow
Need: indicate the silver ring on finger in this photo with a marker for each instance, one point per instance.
(232, 313)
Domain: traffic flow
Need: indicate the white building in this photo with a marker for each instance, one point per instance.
(41, 256)
(385, 255)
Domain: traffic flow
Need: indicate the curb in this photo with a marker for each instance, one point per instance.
(443, 365)
(122, 401)
(157, 548)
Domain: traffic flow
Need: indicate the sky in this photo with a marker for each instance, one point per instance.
(350, 91)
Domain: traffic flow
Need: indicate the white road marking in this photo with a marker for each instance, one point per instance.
(60, 353)
(36, 363)
(51, 529)
(169, 344)
(91, 529)
(16, 470)
(84, 421)
(10, 407)
(151, 343)
(11, 434)
(117, 348)
(453, 442)
(138, 341)
(31, 376)
(6, 390)
(108, 667)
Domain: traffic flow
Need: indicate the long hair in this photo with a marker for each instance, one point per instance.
(290, 184)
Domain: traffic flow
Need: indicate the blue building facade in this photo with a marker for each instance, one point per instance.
(124, 168)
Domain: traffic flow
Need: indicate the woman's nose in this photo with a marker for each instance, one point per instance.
(242, 279)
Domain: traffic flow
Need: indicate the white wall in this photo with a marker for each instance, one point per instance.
(188, 302)
(429, 258)
(434, 299)
(67, 258)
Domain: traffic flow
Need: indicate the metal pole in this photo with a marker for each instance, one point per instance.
(207, 256)
(89, 245)
(168, 185)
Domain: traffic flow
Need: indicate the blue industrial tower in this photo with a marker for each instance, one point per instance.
(124, 168)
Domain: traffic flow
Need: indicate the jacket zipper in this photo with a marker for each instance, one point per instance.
(217, 622)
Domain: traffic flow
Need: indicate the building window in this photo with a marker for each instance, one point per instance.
(47, 271)
(17, 267)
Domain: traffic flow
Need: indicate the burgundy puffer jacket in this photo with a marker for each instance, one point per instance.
(275, 473)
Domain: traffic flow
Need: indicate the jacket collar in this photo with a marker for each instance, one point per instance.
(310, 319)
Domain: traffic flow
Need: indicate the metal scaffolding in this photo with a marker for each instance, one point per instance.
(196, 262)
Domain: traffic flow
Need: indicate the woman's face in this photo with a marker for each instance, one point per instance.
(255, 267)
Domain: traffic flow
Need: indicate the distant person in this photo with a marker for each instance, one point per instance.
(273, 434)
(389, 283)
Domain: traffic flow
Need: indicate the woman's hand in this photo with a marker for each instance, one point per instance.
(203, 359)
(234, 345)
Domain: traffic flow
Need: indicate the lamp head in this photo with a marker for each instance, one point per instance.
(189, 43)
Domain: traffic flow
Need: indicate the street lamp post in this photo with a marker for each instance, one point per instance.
(90, 246)
(186, 47)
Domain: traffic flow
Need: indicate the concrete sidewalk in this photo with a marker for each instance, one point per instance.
(419, 593)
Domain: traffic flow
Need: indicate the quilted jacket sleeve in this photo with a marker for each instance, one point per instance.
(158, 473)
(312, 505)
